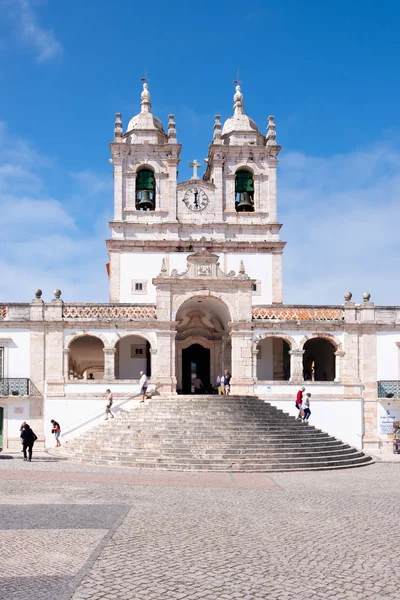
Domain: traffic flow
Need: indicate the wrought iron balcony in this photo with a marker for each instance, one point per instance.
(389, 388)
(17, 387)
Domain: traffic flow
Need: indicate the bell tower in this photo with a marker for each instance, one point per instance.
(230, 211)
(145, 161)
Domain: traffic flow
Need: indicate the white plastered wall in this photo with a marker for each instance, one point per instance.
(259, 267)
(388, 355)
(17, 352)
(130, 367)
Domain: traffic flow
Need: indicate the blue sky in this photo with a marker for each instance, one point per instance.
(328, 71)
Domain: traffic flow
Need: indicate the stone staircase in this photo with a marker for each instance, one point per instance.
(212, 433)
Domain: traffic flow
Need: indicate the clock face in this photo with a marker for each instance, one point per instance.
(195, 199)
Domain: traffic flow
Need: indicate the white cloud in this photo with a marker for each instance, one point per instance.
(42, 245)
(29, 31)
(340, 218)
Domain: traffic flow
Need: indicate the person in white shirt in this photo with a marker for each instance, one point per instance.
(143, 385)
(305, 407)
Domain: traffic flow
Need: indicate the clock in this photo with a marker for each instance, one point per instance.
(195, 199)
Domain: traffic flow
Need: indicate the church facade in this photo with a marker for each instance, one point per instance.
(195, 288)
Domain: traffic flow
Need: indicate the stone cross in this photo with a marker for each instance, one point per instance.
(195, 165)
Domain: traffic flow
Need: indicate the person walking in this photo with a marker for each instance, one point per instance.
(109, 398)
(29, 437)
(227, 382)
(143, 385)
(220, 384)
(22, 427)
(306, 408)
(198, 385)
(299, 401)
(56, 429)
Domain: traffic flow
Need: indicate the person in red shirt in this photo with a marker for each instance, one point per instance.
(299, 401)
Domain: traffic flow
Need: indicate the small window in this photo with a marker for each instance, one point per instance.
(138, 351)
(139, 286)
(253, 287)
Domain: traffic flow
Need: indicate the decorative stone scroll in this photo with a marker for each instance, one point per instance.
(3, 311)
(108, 311)
(297, 313)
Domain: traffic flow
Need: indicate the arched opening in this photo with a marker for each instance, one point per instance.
(319, 362)
(244, 191)
(202, 344)
(145, 190)
(132, 355)
(86, 358)
(273, 359)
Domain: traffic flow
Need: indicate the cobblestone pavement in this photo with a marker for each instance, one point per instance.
(70, 531)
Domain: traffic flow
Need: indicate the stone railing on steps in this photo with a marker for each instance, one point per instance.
(108, 311)
(298, 313)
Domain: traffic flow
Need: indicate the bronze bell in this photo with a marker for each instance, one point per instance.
(145, 202)
(245, 203)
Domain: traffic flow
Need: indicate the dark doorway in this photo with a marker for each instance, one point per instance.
(195, 359)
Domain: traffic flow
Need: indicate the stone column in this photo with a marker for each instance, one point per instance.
(172, 177)
(339, 355)
(254, 353)
(67, 354)
(368, 377)
(153, 354)
(166, 376)
(109, 363)
(118, 202)
(296, 366)
(272, 191)
(242, 373)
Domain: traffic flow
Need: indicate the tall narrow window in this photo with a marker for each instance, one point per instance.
(145, 190)
(244, 191)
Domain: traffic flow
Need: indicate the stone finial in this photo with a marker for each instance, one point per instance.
(164, 269)
(238, 107)
(242, 270)
(171, 129)
(57, 294)
(118, 128)
(271, 133)
(348, 296)
(366, 296)
(38, 294)
(217, 127)
(145, 96)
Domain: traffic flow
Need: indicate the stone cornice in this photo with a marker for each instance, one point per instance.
(193, 245)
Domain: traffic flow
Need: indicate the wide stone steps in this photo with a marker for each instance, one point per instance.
(212, 433)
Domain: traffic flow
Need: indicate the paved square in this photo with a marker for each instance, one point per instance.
(148, 535)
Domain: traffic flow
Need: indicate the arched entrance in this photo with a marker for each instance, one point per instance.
(202, 344)
(132, 355)
(195, 363)
(273, 359)
(319, 361)
(86, 358)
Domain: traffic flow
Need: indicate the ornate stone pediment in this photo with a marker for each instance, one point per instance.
(205, 265)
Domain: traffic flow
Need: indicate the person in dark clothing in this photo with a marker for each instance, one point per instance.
(29, 437)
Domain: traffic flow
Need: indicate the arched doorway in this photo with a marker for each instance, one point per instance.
(319, 362)
(132, 355)
(273, 359)
(86, 358)
(202, 342)
(195, 363)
